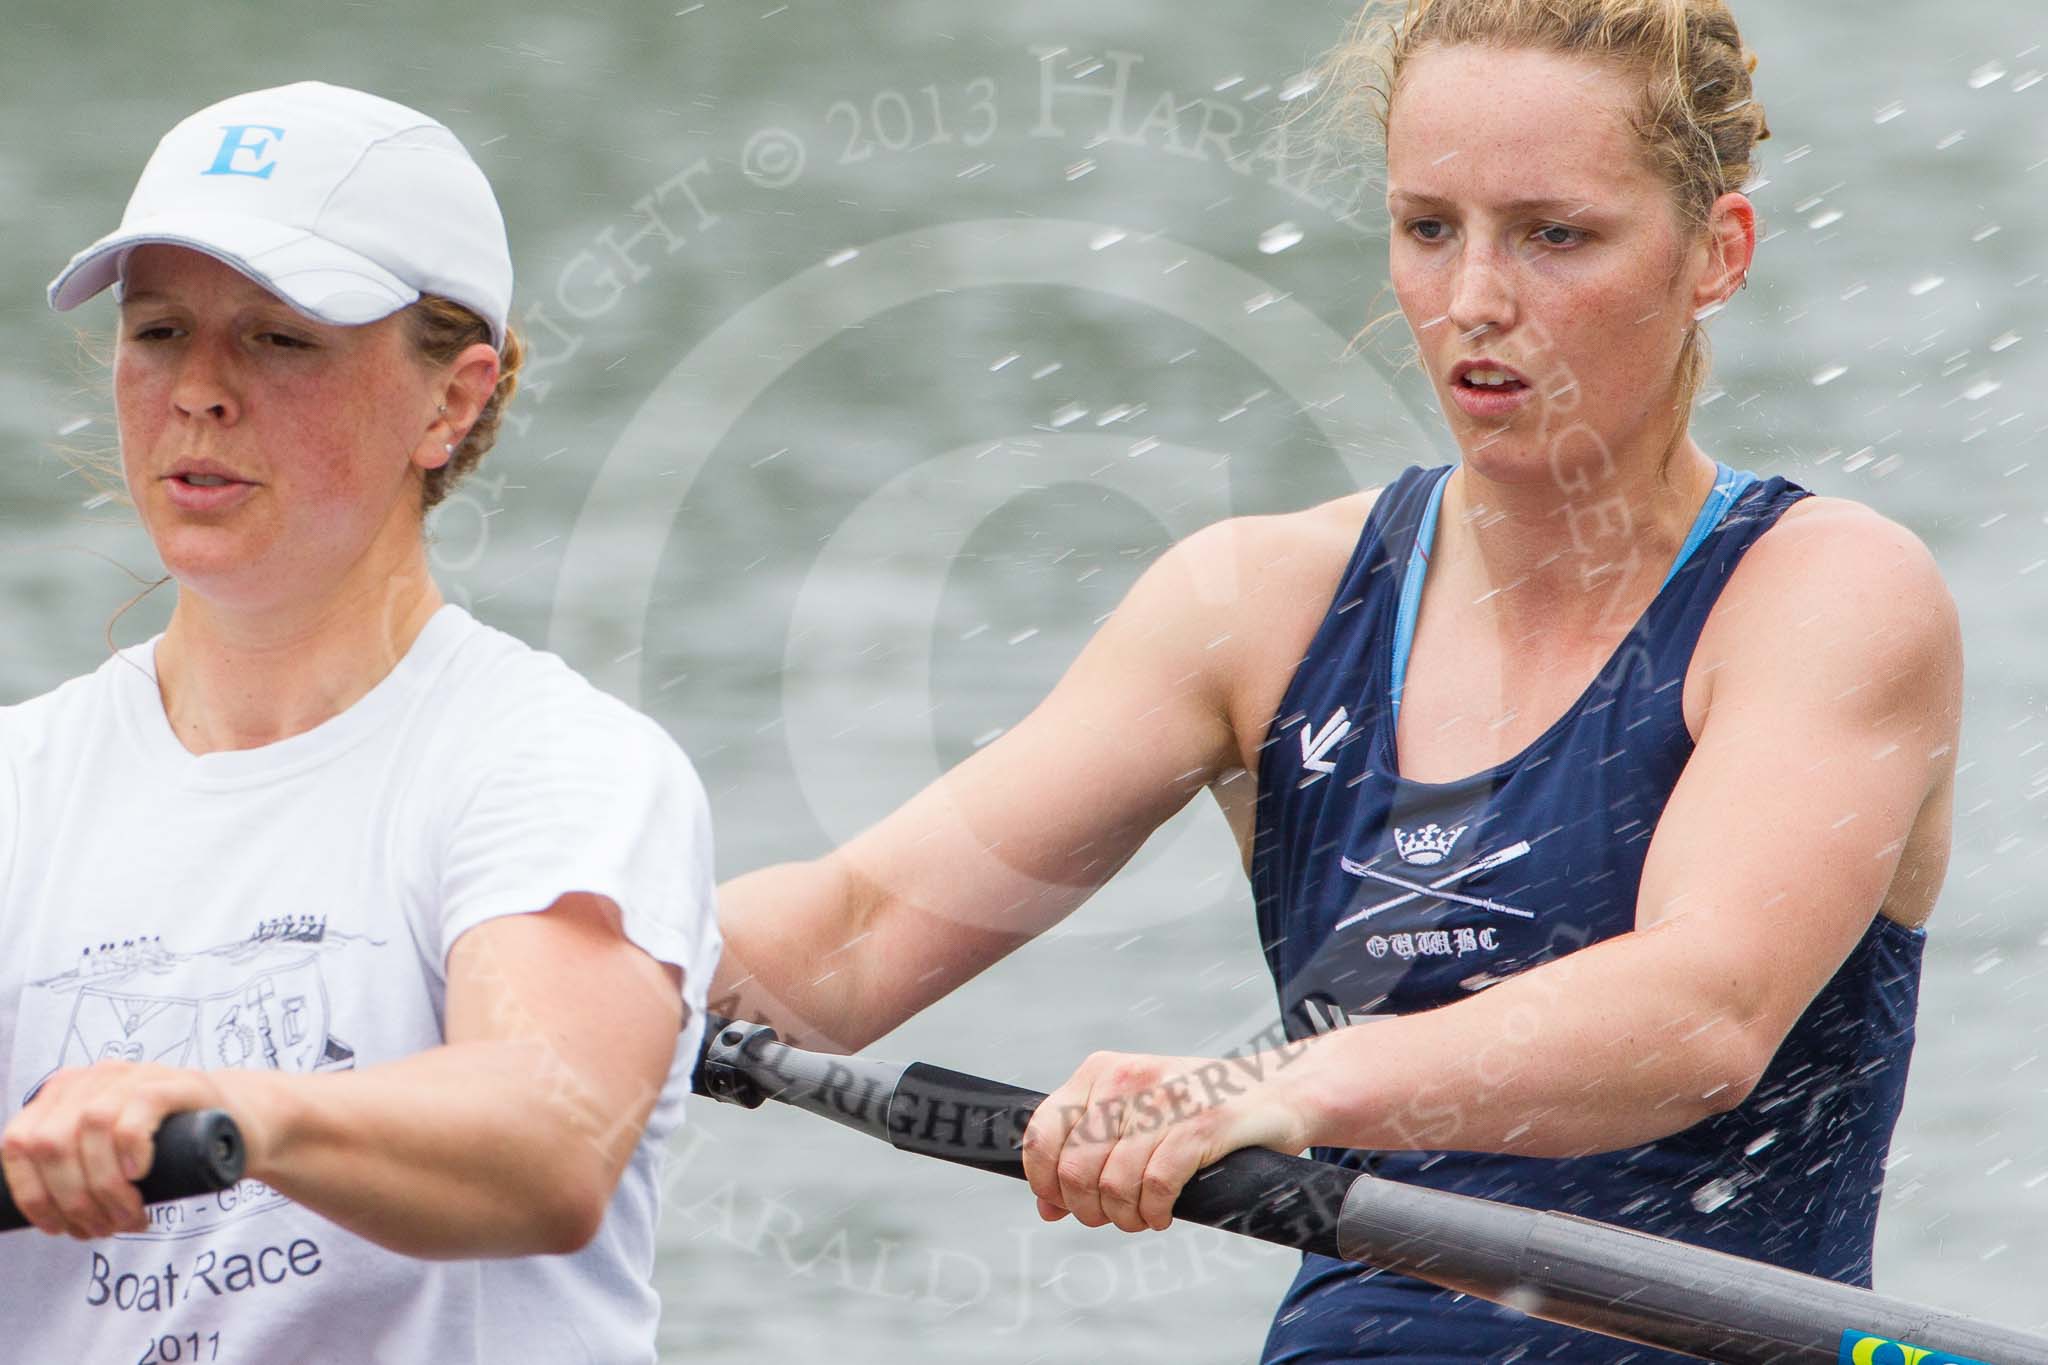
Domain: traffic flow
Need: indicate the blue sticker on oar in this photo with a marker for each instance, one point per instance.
(1860, 1348)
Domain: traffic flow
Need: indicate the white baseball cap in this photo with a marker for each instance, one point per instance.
(346, 206)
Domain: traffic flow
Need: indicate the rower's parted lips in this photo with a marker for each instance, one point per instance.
(205, 469)
(346, 206)
(1465, 369)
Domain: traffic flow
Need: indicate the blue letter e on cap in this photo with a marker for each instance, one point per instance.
(237, 143)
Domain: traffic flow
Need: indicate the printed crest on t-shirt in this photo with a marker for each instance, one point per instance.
(139, 1001)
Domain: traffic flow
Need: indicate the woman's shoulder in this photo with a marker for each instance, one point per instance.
(513, 698)
(1836, 581)
(1823, 548)
(1257, 588)
(29, 725)
(1295, 550)
(1236, 589)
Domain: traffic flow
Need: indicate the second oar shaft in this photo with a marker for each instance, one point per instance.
(1651, 1289)
(1566, 1270)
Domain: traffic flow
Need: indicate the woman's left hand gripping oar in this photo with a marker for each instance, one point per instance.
(1119, 1139)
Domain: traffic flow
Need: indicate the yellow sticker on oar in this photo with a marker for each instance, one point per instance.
(1859, 1348)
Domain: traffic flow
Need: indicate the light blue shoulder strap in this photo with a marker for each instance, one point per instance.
(1411, 587)
(1729, 484)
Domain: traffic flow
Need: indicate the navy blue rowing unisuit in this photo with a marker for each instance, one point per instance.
(1378, 896)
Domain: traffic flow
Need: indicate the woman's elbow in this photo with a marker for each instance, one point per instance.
(1731, 1067)
(570, 1214)
(573, 1179)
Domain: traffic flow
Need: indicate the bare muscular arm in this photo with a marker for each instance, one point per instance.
(837, 951)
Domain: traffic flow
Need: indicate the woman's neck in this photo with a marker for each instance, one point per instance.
(1583, 549)
(241, 679)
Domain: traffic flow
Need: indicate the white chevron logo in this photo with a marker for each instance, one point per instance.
(1316, 743)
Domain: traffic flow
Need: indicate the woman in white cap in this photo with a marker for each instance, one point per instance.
(415, 904)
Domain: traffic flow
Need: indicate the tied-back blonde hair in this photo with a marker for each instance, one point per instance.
(440, 330)
(1698, 118)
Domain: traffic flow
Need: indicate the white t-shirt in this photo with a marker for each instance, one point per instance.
(292, 907)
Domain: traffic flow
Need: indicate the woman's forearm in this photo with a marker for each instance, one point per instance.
(393, 1153)
(1616, 1045)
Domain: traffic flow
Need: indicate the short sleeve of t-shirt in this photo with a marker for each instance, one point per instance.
(578, 793)
(10, 807)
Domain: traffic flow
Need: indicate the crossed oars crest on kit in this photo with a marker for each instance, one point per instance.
(1427, 846)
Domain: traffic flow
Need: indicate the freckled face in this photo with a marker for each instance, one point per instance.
(1528, 229)
(267, 454)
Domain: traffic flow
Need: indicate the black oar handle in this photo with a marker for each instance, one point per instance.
(197, 1152)
(972, 1121)
(1256, 1192)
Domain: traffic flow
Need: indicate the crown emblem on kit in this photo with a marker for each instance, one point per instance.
(1427, 846)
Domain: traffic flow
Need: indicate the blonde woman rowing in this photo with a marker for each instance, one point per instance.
(1592, 792)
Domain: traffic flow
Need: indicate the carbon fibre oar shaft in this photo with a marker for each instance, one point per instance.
(1564, 1269)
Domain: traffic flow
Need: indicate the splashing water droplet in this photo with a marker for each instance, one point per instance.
(1826, 219)
(1296, 88)
(1829, 375)
(1279, 237)
(1988, 74)
(839, 258)
(1889, 112)
(1713, 1195)
(1927, 285)
(1104, 240)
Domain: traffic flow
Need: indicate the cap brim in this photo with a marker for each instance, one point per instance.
(326, 282)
